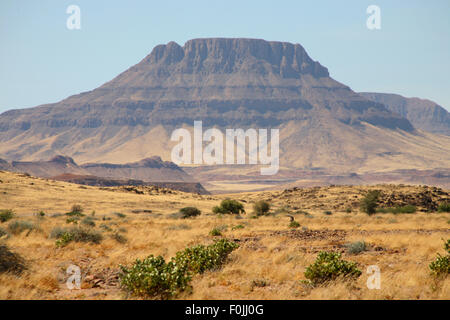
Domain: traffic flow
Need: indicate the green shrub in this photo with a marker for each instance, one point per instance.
(17, 227)
(329, 266)
(229, 206)
(348, 210)
(239, 226)
(356, 247)
(294, 224)
(188, 212)
(10, 261)
(398, 209)
(215, 232)
(261, 208)
(154, 277)
(444, 207)
(328, 213)
(73, 220)
(369, 203)
(200, 258)
(76, 210)
(441, 266)
(6, 214)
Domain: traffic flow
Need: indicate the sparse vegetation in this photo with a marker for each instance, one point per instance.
(441, 266)
(67, 235)
(229, 206)
(329, 266)
(398, 209)
(10, 261)
(3, 233)
(77, 210)
(120, 215)
(154, 277)
(6, 214)
(369, 203)
(119, 238)
(261, 208)
(88, 221)
(328, 213)
(444, 207)
(17, 227)
(188, 212)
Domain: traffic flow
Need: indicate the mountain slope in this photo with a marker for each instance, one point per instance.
(228, 83)
(423, 114)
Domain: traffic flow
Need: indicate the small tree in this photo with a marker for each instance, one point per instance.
(369, 203)
(261, 208)
(188, 212)
(229, 206)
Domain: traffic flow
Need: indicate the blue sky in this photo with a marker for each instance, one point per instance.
(41, 61)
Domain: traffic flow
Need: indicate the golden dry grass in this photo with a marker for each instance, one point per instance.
(269, 263)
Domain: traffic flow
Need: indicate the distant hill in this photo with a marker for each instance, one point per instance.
(423, 114)
(152, 170)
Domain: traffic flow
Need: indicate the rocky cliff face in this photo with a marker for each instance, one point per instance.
(423, 114)
(228, 83)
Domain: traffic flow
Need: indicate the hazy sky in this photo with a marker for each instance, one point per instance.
(42, 61)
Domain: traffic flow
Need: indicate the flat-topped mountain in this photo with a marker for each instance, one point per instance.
(228, 83)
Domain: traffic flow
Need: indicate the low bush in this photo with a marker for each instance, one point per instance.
(188, 212)
(215, 232)
(329, 266)
(356, 247)
(444, 207)
(6, 214)
(328, 213)
(294, 224)
(441, 266)
(10, 261)
(369, 203)
(229, 206)
(261, 208)
(67, 235)
(17, 227)
(154, 277)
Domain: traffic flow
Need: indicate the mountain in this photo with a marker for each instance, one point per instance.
(423, 114)
(227, 83)
(148, 170)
